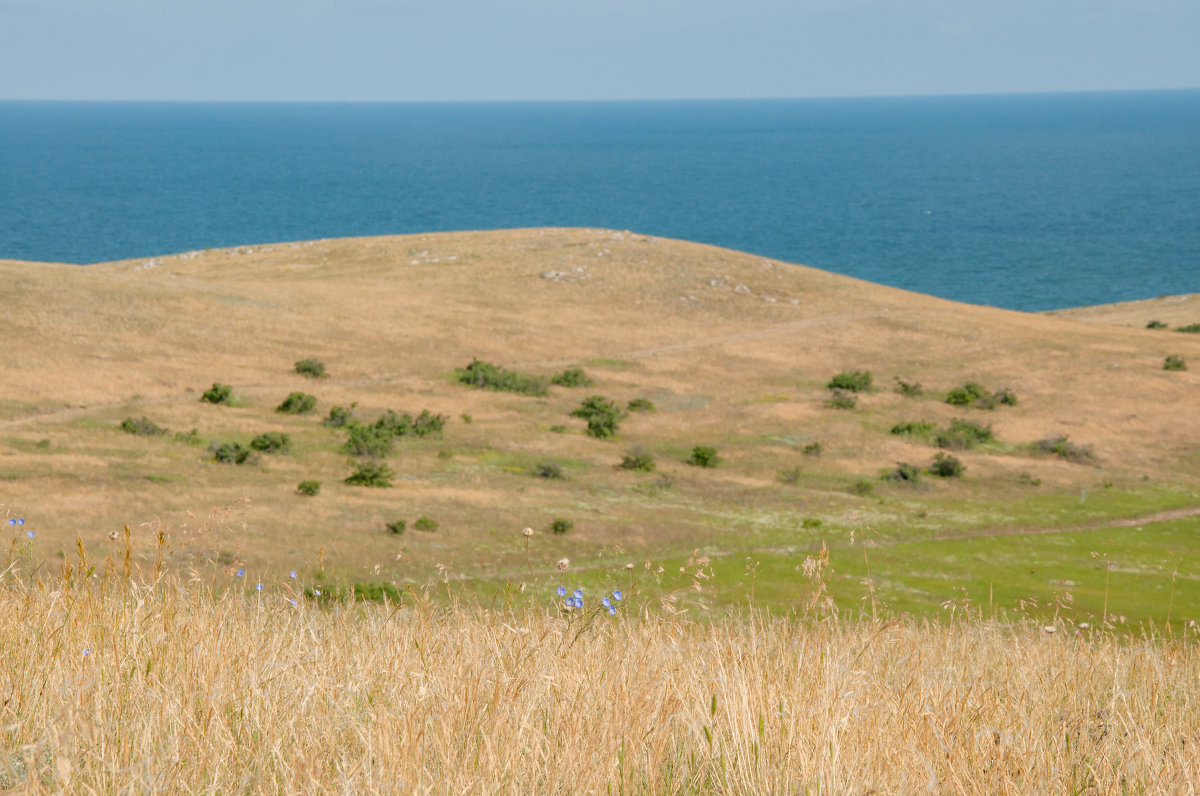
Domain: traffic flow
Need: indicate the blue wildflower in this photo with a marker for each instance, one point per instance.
(29, 534)
(617, 595)
(578, 602)
(579, 594)
(612, 610)
(11, 521)
(241, 572)
(258, 587)
(86, 652)
(606, 603)
(561, 591)
(292, 574)
(20, 520)
(569, 602)
(317, 592)
(293, 602)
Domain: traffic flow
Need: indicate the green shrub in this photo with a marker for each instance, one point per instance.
(310, 488)
(218, 394)
(971, 394)
(1005, 397)
(571, 377)
(271, 442)
(466, 418)
(367, 441)
(704, 456)
(397, 527)
(424, 523)
(790, 475)
(549, 470)
(1173, 362)
(338, 416)
(813, 449)
(1156, 325)
(601, 414)
(561, 525)
(190, 438)
(854, 381)
(842, 399)
(912, 429)
(904, 473)
(1026, 478)
(142, 426)
(371, 474)
(559, 429)
(230, 453)
(297, 403)
(426, 424)
(642, 405)
(312, 368)
(862, 487)
(375, 592)
(1062, 447)
(946, 466)
(814, 522)
(963, 435)
(638, 460)
(1191, 328)
(909, 389)
(486, 376)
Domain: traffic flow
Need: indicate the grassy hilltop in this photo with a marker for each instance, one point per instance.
(1085, 498)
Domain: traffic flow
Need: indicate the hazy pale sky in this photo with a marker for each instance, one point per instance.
(602, 49)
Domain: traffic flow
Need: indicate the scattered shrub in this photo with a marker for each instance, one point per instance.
(271, 442)
(912, 429)
(466, 418)
(1005, 397)
(812, 449)
(790, 475)
(971, 394)
(601, 414)
(638, 460)
(1173, 362)
(904, 473)
(559, 429)
(813, 522)
(371, 474)
(427, 524)
(339, 416)
(1026, 478)
(854, 381)
(426, 424)
(310, 488)
(312, 368)
(946, 466)
(704, 456)
(397, 527)
(1062, 447)
(298, 403)
(909, 389)
(367, 441)
(190, 438)
(486, 376)
(230, 453)
(142, 426)
(862, 487)
(375, 592)
(218, 394)
(642, 405)
(1191, 328)
(842, 399)
(561, 525)
(963, 435)
(550, 470)
(1156, 325)
(571, 377)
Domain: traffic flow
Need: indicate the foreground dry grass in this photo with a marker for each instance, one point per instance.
(110, 687)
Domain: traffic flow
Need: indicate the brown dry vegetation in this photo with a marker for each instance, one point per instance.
(734, 349)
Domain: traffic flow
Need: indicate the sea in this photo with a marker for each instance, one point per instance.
(1029, 202)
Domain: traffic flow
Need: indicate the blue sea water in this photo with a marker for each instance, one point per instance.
(1028, 202)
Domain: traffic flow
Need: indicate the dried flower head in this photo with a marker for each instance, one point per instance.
(112, 535)
(563, 563)
(527, 532)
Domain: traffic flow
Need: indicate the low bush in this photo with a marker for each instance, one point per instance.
(904, 473)
(909, 389)
(812, 449)
(946, 466)
(142, 426)
(971, 394)
(571, 377)
(427, 524)
(912, 429)
(704, 456)
(218, 394)
(339, 416)
(371, 474)
(1156, 325)
(466, 418)
(811, 522)
(230, 453)
(549, 470)
(561, 525)
(559, 429)
(426, 424)
(842, 399)
(486, 376)
(297, 403)
(314, 369)
(642, 405)
(854, 381)
(310, 488)
(790, 475)
(376, 592)
(397, 527)
(964, 435)
(367, 441)
(1062, 447)
(862, 487)
(271, 442)
(1026, 478)
(601, 414)
(1191, 328)
(1173, 362)
(189, 438)
(637, 460)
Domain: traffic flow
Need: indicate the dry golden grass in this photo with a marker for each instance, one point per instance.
(129, 685)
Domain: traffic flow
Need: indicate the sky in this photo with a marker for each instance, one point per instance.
(450, 50)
